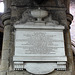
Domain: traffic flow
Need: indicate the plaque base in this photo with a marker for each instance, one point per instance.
(40, 68)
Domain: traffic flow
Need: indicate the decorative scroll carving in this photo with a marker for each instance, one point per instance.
(26, 17)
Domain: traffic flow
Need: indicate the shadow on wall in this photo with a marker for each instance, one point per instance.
(1, 35)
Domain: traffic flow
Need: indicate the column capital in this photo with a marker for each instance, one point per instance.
(69, 18)
(6, 18)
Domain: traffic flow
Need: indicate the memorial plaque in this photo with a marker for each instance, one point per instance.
(39, 46)
(35, 43)
(39, 43)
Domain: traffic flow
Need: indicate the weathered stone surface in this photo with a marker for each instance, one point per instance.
(5, 50)
(3, 73)
(4, 65)
(6, 54)
(20, 2)
(18, 73)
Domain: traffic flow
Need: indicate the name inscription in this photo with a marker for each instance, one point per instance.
(39, 43)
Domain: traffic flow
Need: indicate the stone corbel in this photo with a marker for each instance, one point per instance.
(61, 66)
(18, 65)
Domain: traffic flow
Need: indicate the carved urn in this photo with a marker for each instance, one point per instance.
(39, 14)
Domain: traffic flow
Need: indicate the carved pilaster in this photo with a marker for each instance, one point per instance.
(6, 43)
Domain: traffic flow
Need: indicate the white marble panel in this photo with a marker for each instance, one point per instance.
(39, 42)
(41, 52)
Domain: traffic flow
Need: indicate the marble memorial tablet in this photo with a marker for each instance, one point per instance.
(39, 43)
